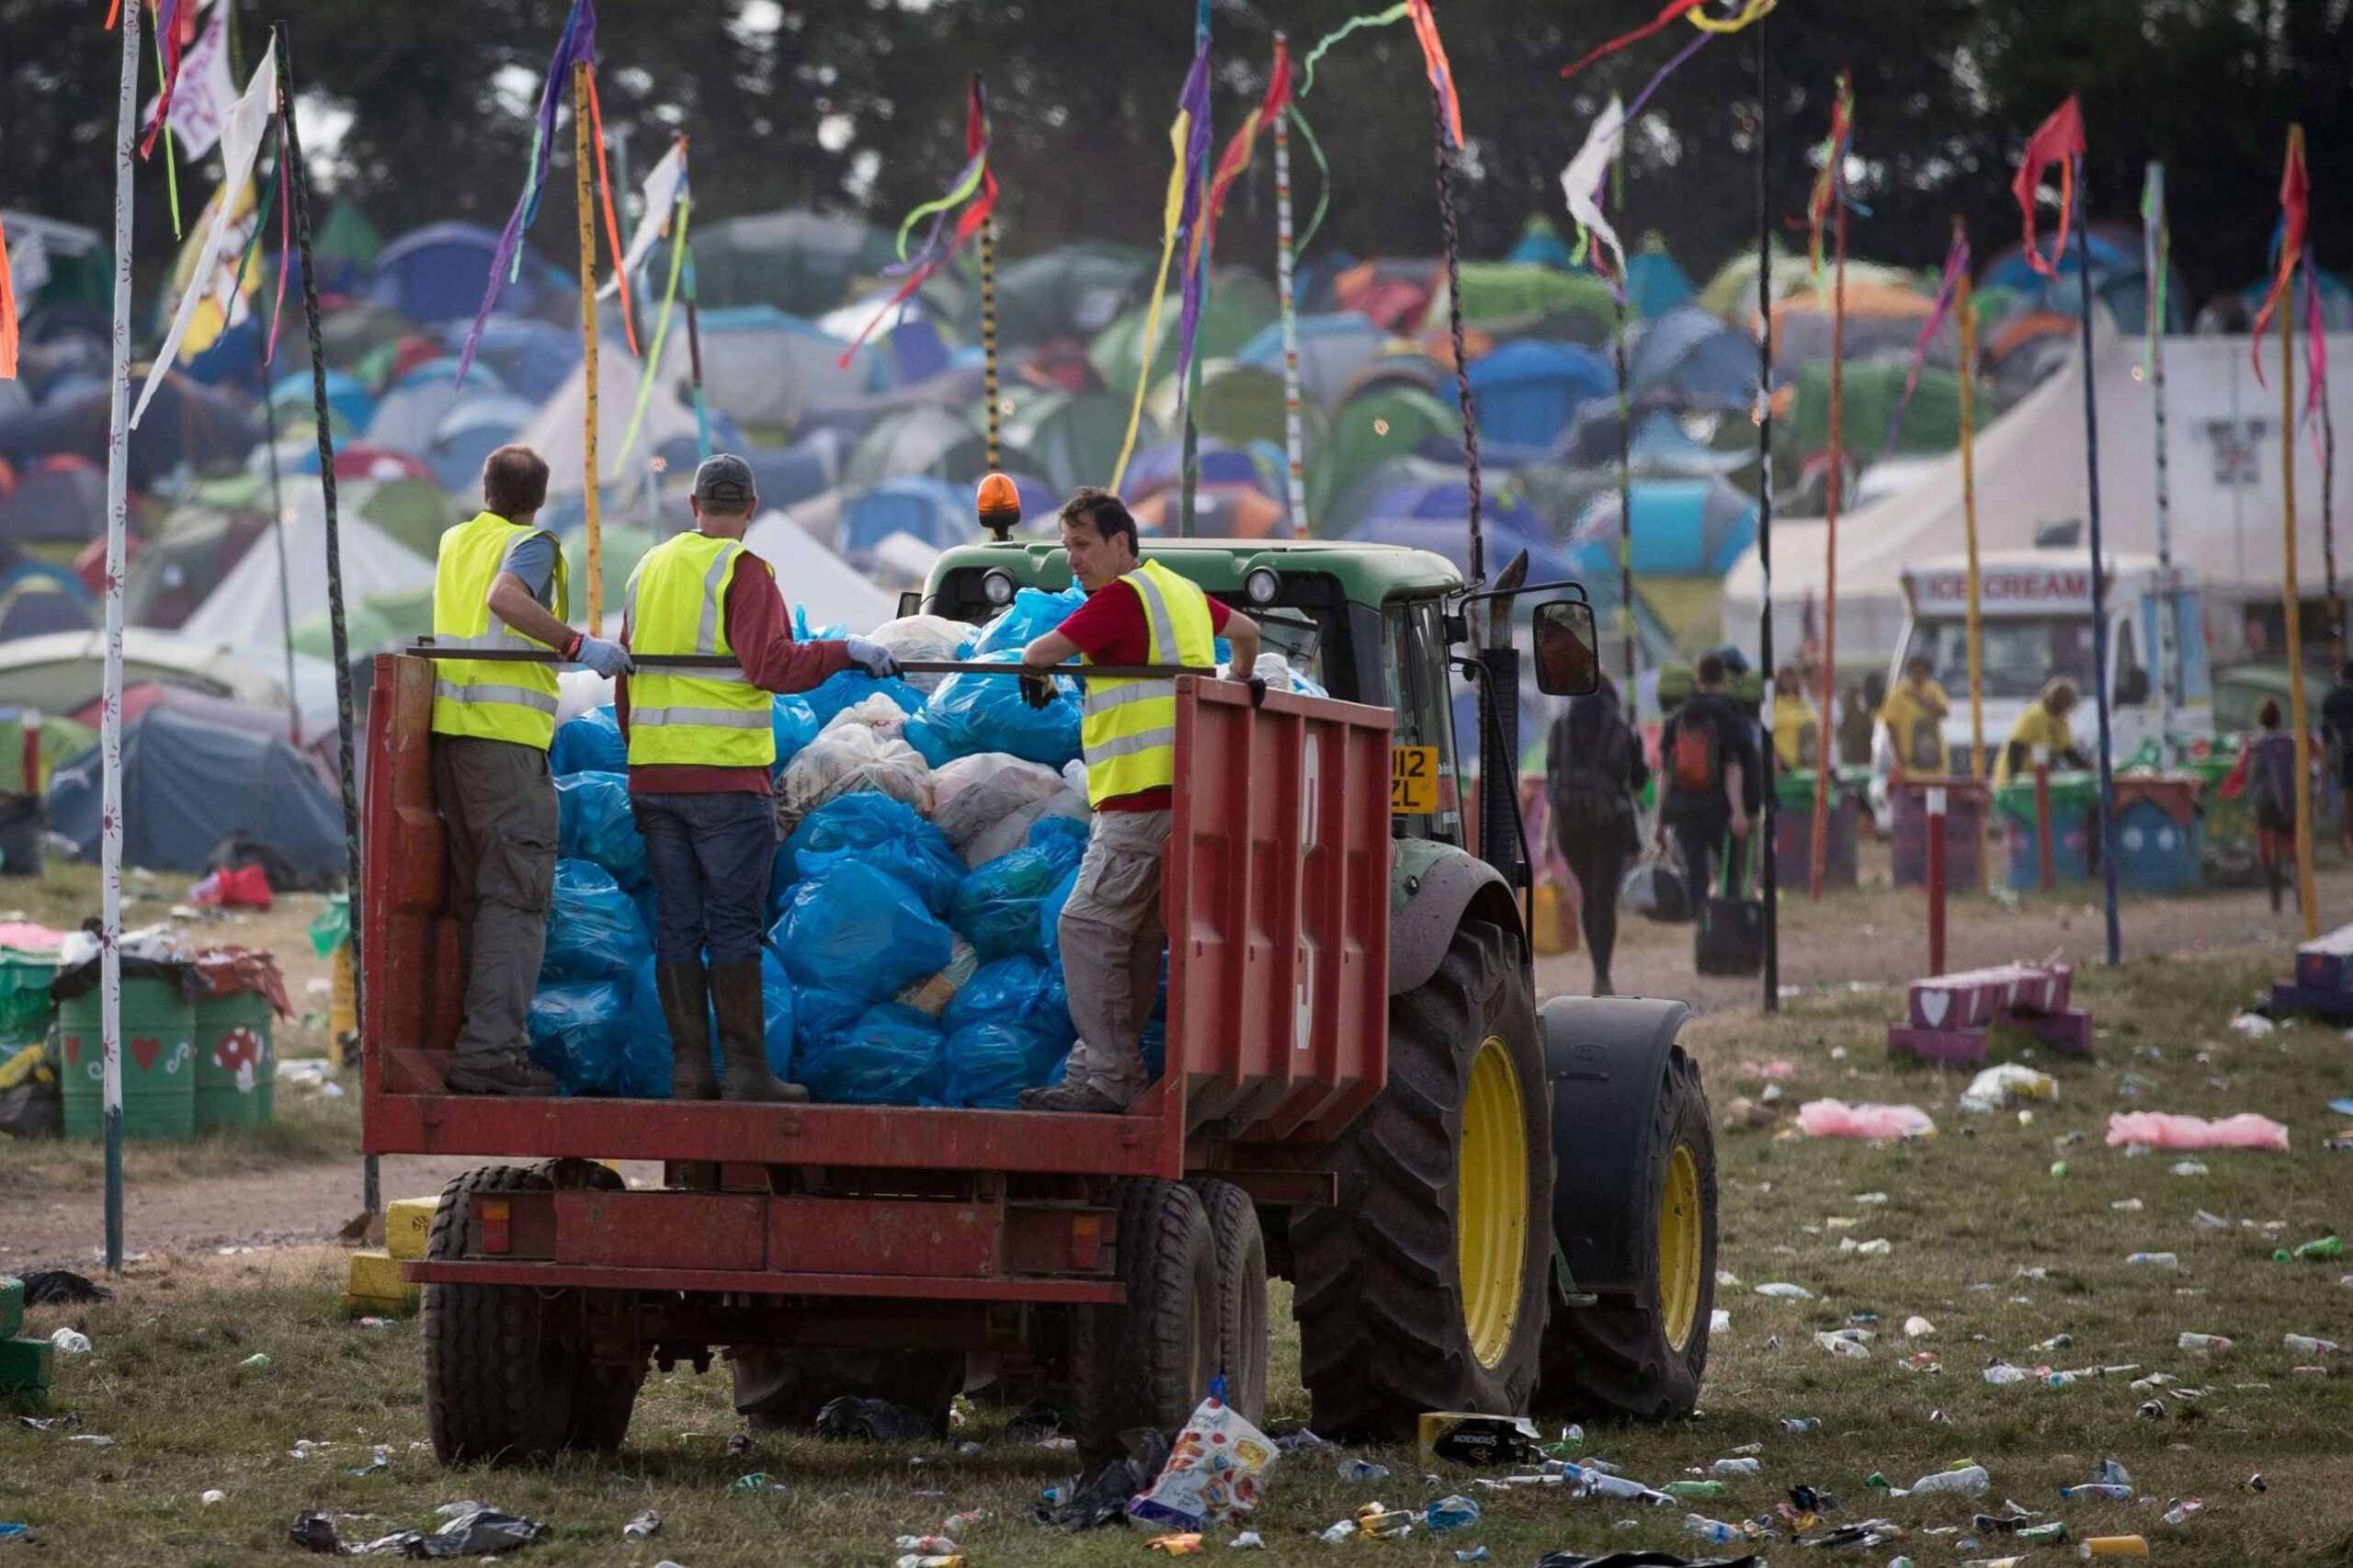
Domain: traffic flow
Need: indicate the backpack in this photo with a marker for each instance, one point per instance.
(1693, 766)
(2274, 794)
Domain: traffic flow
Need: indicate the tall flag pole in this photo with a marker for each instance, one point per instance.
(338, 625)
(1967, 302)
(694, 334)
(592, 474)
(1294, 446)
(110, 706)
(2100, 586)
(2295, 198)
(1446, 107)
(1830, 199)
(1823, 756)
(2156, 265)
(988, 316)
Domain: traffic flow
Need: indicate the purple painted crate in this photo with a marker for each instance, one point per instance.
(2336, 1005)
(2325, 963)
(1944, 1048)
(1974, 997)
(2067, 1033)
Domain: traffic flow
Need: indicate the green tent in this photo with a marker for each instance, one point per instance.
(414, 512)
(347, 235)
(1073, 290)
(369, 626)
(60, 738)
(1072, 438)
(803, 263)
(621, 547)
(1872, 390)
(1243, 403)
(1515, 297)
(1239, 304)
(1380, 422)
(1731, 294)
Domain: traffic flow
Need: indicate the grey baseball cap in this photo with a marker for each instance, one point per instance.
(723, 476)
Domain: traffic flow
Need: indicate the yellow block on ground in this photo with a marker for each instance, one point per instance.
(407, 1222)
(376, 1287)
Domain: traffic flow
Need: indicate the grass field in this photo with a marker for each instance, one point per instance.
(1966, 1214)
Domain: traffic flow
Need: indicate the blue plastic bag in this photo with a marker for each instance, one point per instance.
(649, 1051)
(801, 633)
(822, 1017)
(973, 714)
(794, 724)
(886, 834)
(593, 823)
(1050, 917)
(893, 1055)
(847, 689)
(990, 1063)
(589, 743)
(859, 931)
(997, 907)
(593, 930)
(582, 1031)
(1034, 613)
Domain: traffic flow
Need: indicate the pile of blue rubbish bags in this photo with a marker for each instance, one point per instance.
(931, 830)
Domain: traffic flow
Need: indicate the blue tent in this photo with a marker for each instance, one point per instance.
(1656, 283)
(1540, 245)
(1161, 467)
(1527, 390)
(436, 274)
(1434, 515)
(534, 358)
(1332, 349)
(469, 433)
(188, 783)
(346, 396)
(1687, 359)
(932, 509)
(1683, 527)
(2335, 300)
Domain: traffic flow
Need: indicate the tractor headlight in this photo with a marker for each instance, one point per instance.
(997, 586)
(1260, 585)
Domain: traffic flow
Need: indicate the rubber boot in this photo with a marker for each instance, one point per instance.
(686, 1007)
(743, 1037)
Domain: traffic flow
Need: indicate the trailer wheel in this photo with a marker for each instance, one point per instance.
(1149, 1362)
(498, 1385)
(1241, 1295)
(604, 1392)
(1424, 1287)
(1641, 1352)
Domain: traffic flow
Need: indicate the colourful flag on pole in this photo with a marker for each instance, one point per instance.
(1581, 181)
(2295, 201)
(2157, 259)
(1830, 185)
(2059, 139)
(7, 313)
(975, 187)
(1434, 60)
(167, 39)
(1948, 289)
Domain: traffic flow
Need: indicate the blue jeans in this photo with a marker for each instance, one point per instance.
(710, 855)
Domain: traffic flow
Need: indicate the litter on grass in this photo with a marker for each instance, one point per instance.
(1836, 1119)
(2158, 1129)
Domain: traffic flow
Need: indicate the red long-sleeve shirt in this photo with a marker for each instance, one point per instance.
(761, 632)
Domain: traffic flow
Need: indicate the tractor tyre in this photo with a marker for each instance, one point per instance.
(1241, 1295)
(1640, 1353)
(498, 1383)
(1148, 1363)
(1424, 1287)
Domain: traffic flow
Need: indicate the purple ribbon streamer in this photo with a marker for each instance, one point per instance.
(578, 45)
(1194, 100)
(1956, 263)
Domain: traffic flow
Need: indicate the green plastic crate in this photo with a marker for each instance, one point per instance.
(12, 1306)
(24, 1364)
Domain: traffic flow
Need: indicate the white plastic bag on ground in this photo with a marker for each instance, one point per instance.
(923, 637)
(1213, 1476)
(2003, 1085)
(973, 794)
(846, 759)
(1011, 831)
(877, 713)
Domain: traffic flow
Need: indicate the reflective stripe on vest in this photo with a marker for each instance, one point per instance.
(505, 701)
(675, 602)
(1129, 729)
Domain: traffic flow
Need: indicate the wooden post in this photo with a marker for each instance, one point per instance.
(1825, 754)
(1968, 308)
(2046, 856)
(1830, 519)
(2307, 899)
(1935, 806)
(2100, 577)
(588, 338)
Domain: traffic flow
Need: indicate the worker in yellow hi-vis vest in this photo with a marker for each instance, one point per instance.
(1137, 612)
(498, 586)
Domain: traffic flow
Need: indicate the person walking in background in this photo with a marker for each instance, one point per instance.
(2336, 731)
(499, 586)
(2043, 727)
(1915, 716)
(2266, 775)
(1593, 771)
(1713, 779)
(1797, 724)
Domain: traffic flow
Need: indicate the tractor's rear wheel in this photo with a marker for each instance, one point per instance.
(1241, 1295)
(1424, 1288)
(498, 1384)
(1641, 1352)
(1148, 1363)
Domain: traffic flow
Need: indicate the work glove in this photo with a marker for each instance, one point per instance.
(607, 659)
(871, 656)
(1038, 690)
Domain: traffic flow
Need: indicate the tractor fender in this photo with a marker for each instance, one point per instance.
(1605, 1059)
(1431, 887)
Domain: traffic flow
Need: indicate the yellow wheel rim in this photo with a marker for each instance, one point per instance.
(1491, 1211)
(1679, 1247)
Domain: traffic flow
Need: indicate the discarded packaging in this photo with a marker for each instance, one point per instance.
(1184, 1544)
(1802, 1422)
(2001, 1374)
(2103, 1490)
(936, 1544)
(2113, 1546)
(1782, 1292)
(1836, 1119)
(1689, 1490)
(259, 1359)
(2305, 1345)
(851, 1418)
(1746, 1466)
(2179, 1513)
(1249, 1541)
(2000, 1088)
(1715, 1532)
(1213, 1476)
(2189, 1341)
(2156, 1259)
(1377, 1521)
(1483, 1440)
(2152, 1128)
(2327, 1246)
(1362, 1469)
(71, 1342)
(476, 1531)
(1844, 1348)
(1971, 1479)
(1451, 1513)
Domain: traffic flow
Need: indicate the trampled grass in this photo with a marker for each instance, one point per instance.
(1966, 1213)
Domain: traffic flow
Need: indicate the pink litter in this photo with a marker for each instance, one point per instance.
(2159, 1130)
(1777, 1068)
(27, 936)
(1836, 1119)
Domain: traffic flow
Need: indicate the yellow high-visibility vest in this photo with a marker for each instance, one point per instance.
(1129, 732)
(676, 602)
(499, 702)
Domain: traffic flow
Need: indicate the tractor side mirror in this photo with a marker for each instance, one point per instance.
(909, 603)
(1568, 663)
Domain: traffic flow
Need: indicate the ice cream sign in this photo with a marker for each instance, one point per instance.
(2013, 590)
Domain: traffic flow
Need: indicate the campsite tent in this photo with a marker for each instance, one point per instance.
(800, 262)
(1074, 291)
(1882, 319)
(1239, 303)
(1655, 281)
(933, 511)
(814, 578)
(1332, 350)
(1381, 423)
(65, 671)
(922, 439)
(1688, 358)
(531, 357)
(1661, 446)
(188, 783)
(36, 599)
(1509, 298)
(186, 423)
(436, 275)
(196, 547)
(346, 398)
(1684, 527)
(246, 607)
(1871, 393)
(1527, 390)
(2222, 456)
(1071, 439)
(763, 367)
(1540, 245)
(468, 434)
(558, 433)
(60, 499)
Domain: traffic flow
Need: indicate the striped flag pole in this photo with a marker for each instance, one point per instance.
(582, 178)
(1293, 446)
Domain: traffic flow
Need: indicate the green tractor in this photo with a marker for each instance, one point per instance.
(1436, 1283)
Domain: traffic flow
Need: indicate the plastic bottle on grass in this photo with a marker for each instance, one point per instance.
(1714, 1532)
(1968, 1479)
(2192, 1341)
(2097, 1491)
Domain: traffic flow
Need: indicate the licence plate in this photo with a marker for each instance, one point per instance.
(1413, 779)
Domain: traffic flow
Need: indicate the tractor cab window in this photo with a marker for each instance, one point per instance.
(1293, 634)
(1424, 799)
